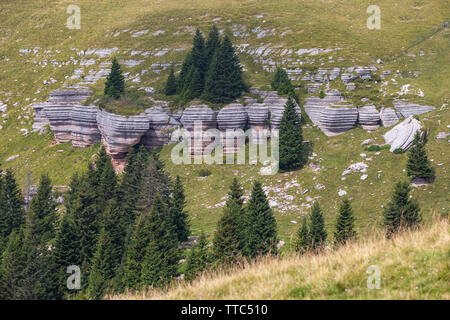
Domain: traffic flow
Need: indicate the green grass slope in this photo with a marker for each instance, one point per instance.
(409, 40)
(414, 265)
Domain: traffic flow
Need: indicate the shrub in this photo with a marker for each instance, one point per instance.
(204, 172)
(398, 151)
(373, 148)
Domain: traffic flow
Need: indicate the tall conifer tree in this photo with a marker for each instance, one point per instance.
(115, 81)
(418, 165)
(345, 223)
(292, 153)
(318, 234)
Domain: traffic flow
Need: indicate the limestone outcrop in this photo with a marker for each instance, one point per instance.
(161, 126)
(120, 133)
(196, 119)
(40, 119)
(84, 129)
(338, 118)
(409, 109)
(388, 117)
(369, 117)
(232, 120)
(258, 120)
(402, 135)
(58, 116)
(315, 105)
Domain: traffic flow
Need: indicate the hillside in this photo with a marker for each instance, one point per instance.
(39, 54)
(414, 265)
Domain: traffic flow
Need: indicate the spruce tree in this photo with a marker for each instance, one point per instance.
(195, 87)
(226, 243)
(261, 233)
(212, 44)
(171, 86)
(401, 211)
(292, 153)
(282, 84)
(177, 211)
(199, 58)
(302, 242)
(65, 253)
(43, 210)
(318, 234)
(12, 215)
(184, 78)
(109, 250)
(224, 81)
(345, 223)
(236, 194)
(162, 255)
(418, 165)
(13, 263)
(198, 258)
(115, 81)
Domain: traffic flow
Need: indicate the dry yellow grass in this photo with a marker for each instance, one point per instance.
(414, 265)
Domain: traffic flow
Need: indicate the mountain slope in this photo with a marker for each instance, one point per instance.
(414, 265)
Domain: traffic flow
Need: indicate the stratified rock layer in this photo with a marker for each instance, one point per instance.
(369, 117)
(258, 120)
(402, 135)
(231, 121)
(338, 119)
(196, 119)
(60, 121)
(161, 126)
(315, 105)
(409, 109)
(84, 130)
(388, 117)
(40, 119)
(120, 133)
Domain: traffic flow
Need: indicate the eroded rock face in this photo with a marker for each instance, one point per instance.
(68, 96)
(314, 105)
(120, 133)
(388, 117)
(409, 109)
(200, 118)
(40, 119)
(231, 121)
(369, 117)
(161, 126)
(258, 120)
(338, 118)
(60, 121)
(84, 131)
(402, 135)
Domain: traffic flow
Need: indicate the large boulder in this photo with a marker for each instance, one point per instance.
(232, 120)
(315, 105)
(84, 132)
(337, 119)
(369, 117)
(409, 109)
(402, 135)
(258, 120)
(161, 127)
(388, 117)
(59, 117)
(120, 133)
(40, 119)
(196, 120)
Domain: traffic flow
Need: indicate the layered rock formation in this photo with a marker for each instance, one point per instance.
(402, 135)
(315, 105)
(161, 126)
(40, 119)
(232, 120)
(338, 118)
(388, 117)
(369, 117)
(84, 129)
(258, 120)
(119, 133)
(196, 119)
(60, 121)
(408, 109)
